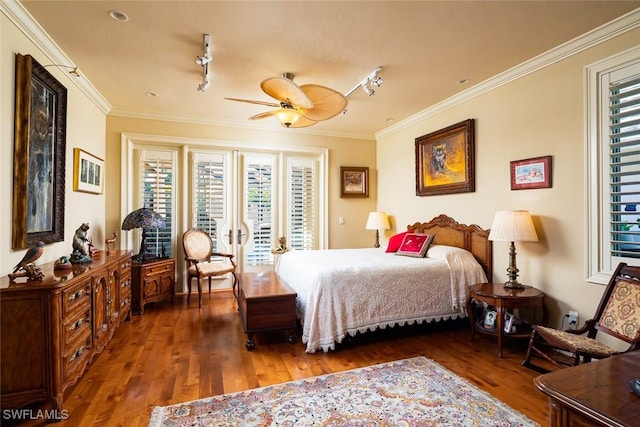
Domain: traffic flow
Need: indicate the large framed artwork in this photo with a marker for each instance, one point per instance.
(445, 160)
(39, 155)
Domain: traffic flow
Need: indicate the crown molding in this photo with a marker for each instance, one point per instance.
(25, 22)
(599, 35)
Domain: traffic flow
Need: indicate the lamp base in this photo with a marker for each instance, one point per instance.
(513, 285)
(377, 242)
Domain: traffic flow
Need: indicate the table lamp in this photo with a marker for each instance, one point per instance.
(143, 218)
(513, 226)
(377, 221)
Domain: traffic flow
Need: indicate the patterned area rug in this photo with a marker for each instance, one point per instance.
(410, 392)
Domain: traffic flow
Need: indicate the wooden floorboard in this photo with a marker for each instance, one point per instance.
(177, 352)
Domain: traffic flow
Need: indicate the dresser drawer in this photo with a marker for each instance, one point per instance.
(76, 357)
(76, 296)
(157, 269)
(75, 325)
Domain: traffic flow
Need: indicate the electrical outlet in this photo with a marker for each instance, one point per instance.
(573, 319)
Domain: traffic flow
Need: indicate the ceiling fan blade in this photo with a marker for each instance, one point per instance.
(284, 90)
(327, 103)
(249, 101)
(263, 115)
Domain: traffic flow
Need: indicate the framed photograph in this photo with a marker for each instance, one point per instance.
(490, 319)
(531, 173)
(39, 155)
(445, 160)
(508, 323)
(354, 181)
(88, 172)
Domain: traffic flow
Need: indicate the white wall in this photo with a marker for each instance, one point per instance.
(85, 129)
(539, 114)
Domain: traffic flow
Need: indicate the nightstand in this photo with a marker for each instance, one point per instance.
(503, 300)
(152, 281)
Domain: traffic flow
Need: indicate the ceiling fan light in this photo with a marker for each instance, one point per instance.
(288, 116)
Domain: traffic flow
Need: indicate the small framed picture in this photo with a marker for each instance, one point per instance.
(508, 323)
(88, 172)
(531, 173)
(490, 319)
(354, 181)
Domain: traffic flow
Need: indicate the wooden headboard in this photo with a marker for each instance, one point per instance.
(449, 232)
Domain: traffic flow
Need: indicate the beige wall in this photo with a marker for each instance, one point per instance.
(85, 129)
(540, 114)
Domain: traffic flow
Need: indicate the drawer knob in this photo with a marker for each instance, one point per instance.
(77, 324)
(77, 354)
(76, 295)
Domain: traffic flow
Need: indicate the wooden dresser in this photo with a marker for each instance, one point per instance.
(152, 281)
(51, 330)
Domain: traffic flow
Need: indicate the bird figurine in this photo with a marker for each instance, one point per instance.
(31, 256)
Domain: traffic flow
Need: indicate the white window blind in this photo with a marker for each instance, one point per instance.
(624, 166)
(259, 191)
(209, 181)
(303, 204)
(157, 187)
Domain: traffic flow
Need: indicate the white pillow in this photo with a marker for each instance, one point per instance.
(449, 253)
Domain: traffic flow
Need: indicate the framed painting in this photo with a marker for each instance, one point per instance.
(88, 172)
(39, 155)
(354, 181)
(445, 160)
(531, 173)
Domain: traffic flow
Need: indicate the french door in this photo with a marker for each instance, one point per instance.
(248, 200)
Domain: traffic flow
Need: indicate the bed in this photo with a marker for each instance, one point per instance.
(342, 292)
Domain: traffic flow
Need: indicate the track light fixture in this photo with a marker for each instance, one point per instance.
(372, 79)
(203, 61)
(73, 69)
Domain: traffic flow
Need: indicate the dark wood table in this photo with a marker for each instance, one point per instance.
(504, 300)
(595, 393)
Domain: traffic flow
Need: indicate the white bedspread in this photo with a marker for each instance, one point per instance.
(344, 291)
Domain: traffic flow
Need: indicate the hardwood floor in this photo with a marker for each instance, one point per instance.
(177, 352)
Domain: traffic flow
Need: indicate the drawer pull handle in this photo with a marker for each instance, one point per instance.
(77, 354)
(77, 324)
(76, 295)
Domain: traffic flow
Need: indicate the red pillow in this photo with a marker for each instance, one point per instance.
(395, 242)
(415, 245)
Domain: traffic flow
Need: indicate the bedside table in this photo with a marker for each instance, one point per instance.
(504, 300)
(152, 281)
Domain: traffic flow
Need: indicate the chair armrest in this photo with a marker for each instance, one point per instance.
(222, 254)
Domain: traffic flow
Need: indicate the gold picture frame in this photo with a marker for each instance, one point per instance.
(88, 172)
(354, 181)
(445, 160)
(39, 155)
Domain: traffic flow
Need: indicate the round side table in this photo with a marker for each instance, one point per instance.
(505, 300)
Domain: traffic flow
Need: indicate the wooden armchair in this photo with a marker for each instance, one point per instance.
(618, 315)
(203, 262)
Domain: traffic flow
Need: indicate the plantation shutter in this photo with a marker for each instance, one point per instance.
(303, 204)
(624, 166)
(209, 181)
(259, 214)
(157, 187)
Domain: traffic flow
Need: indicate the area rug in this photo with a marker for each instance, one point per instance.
(409, 392)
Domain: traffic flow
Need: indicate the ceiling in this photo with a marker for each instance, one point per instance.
(424, 47)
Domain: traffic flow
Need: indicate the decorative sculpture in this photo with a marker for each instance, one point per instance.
(26, 264)
(111, 241)
(79, 254)
(282, 248)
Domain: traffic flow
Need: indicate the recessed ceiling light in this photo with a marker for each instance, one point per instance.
(152, 94)
(118, 16)
(389, 119)
(463, 81)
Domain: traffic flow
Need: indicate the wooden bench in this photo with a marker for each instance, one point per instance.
(266, 303)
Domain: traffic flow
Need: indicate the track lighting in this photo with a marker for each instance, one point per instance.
(372, 79)
(74, 69)
(203, 61)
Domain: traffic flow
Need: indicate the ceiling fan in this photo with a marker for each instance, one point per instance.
(298, 106)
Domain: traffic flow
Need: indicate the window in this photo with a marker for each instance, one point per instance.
(302, 211)
(156, 180)
(613, 167)
(209, 194)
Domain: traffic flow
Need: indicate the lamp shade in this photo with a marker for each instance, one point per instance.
(143, 218)
(288, 116)
(377, 221)
(513, 226)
